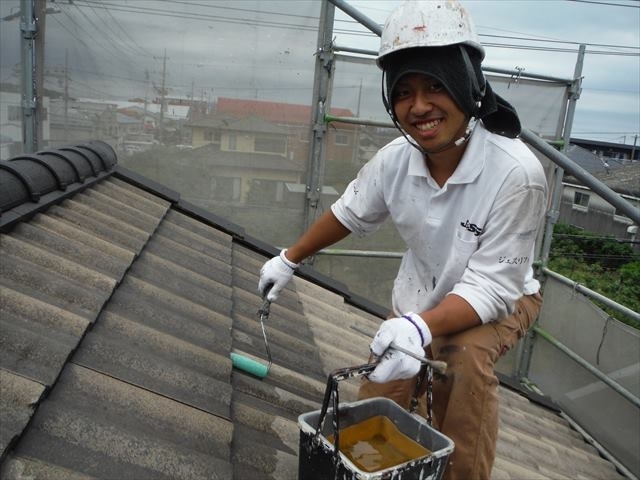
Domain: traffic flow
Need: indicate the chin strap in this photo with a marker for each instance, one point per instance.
(467, 133)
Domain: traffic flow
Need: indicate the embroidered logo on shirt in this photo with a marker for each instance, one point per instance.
(513, 260)
(472, 227)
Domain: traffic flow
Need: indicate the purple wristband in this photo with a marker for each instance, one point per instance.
(417, 327)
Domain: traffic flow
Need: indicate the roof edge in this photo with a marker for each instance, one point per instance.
(146, 183)
(513, 384)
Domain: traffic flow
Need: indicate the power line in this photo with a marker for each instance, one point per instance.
(606, 3)
(114, 34)
(199, 16)
(225, 7)
(604, 133)
(88, 87)
(88, 35)
(105, 35)
(559, 50)
(583, 237)
(559, 41)
(163, 12)
(117, 23)
(108, 75)
(114, 48)
(592, 256)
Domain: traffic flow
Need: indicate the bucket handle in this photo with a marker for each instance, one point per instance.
(424, 384)
(331, 395)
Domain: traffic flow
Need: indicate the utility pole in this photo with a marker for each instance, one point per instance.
(62, 75)
(163, 94)
(191, 112)
(66, 95)
(146, 94)
(40, 17)
(32, 27)
(29, 29)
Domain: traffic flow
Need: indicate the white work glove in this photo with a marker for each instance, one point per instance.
(274, 276)
(408, 331)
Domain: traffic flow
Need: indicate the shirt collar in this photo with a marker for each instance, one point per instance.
(471, 163)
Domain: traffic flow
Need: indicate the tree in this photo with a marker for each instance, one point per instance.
(601, 263)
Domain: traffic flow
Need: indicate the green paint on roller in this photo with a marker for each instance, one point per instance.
(250, 366)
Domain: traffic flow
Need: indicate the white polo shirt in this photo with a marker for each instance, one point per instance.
(473, 237)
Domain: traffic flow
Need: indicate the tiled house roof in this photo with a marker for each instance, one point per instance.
(120, 304)
(277, 112)
(624, 180)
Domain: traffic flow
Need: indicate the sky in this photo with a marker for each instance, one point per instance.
(119, 49)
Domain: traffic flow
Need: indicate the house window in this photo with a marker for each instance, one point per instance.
(232, 141)
(342, 139)
(265, 192)
(270, 145)
(225, 188)
(211, 136)
(581, 199)
(15, 113)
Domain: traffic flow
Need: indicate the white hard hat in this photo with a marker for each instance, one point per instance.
(427, 23)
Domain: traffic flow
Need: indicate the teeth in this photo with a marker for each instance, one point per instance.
(423, 127)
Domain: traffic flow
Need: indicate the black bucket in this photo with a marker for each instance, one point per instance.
(319, 459)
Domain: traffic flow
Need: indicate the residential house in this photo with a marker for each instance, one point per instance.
(271, 124)
(610, 150)
(7, 147)
(296, 118)
(81, 120)
(371, 139)
(69, 124)
(236, 161)
(584, 208)
(11, 121)
(207, 130)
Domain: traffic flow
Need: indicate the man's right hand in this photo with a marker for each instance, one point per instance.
(274, 276)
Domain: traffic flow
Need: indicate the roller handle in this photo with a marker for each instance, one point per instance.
(437, 365)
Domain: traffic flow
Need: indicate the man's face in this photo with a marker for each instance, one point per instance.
(426, 111)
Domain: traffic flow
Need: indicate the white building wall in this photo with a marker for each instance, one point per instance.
(11, 118)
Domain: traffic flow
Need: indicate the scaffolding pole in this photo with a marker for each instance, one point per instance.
(321, 103)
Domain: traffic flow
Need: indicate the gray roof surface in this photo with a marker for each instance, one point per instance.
(120, 305)
(213, 156)
(625, 179)
(622, 177)
(591, 162)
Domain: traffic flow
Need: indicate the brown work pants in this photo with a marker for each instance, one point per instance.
(465, 404)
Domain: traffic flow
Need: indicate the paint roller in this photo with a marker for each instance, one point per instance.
(259, 370)
(248, 365)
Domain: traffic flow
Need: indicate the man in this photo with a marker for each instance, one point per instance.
(467, 197)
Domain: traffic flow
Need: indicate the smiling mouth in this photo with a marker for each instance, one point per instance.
(424, 127)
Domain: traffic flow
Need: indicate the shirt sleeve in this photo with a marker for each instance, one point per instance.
(495, 275)
(362, 207)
